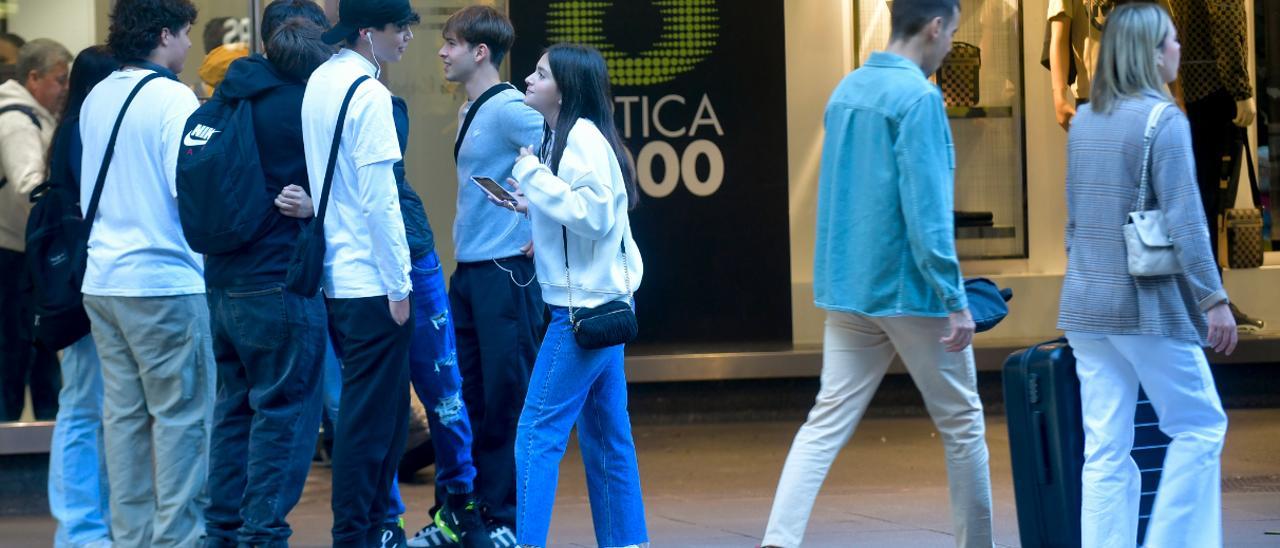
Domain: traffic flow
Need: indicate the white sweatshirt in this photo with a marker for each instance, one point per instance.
(589, 197)
(22, 161)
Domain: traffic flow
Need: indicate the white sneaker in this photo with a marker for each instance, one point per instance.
(502, 536)
(430, 536)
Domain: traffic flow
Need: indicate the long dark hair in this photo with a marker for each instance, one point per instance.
(583, 80)
(92, 65)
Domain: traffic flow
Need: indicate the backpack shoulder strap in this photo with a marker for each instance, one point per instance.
(92, 212)
(333, 152)
(471, 114)
(30, 112)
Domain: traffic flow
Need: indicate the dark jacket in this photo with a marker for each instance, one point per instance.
(277, 119)
(64, 155)
(416, 228)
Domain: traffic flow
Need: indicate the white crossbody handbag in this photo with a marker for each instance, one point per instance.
(1146, 237)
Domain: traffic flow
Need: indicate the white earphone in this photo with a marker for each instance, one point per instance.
(378, 71)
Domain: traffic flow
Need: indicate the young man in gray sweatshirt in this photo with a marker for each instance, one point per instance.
(497, 306)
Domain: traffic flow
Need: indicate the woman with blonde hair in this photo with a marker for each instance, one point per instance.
(1129, 150)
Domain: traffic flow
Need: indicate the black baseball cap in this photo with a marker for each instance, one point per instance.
(354, 15)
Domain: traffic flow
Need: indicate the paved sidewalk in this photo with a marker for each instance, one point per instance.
(711, 485)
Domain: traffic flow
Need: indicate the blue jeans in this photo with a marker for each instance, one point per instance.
(332, 382)
(570, 384)
(77, 471)
(269, 345)
(433, 367)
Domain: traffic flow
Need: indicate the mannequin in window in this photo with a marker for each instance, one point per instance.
(1218, 95)
(1071, 49)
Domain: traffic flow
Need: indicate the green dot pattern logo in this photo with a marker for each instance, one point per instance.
(690, 29)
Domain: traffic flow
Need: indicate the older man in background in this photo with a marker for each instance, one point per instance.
(29, 106)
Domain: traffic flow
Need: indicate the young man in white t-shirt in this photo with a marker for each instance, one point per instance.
(366, 265)
(144, 286)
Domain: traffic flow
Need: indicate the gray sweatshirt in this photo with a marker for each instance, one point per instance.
(482, 231)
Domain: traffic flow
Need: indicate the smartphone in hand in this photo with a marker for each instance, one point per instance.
(495, 190)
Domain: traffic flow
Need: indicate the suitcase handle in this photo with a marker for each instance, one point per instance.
(1038, 435)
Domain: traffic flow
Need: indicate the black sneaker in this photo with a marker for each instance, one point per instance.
(1245, 323)
(460, 521)
(431, 536)
(502, 536)
(391, 536)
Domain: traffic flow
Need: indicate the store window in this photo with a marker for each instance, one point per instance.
(1267, 49)
(982, 83)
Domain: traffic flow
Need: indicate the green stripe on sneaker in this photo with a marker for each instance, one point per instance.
(444, 527)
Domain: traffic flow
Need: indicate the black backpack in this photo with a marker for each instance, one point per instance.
(58, 248)
(223, 201)
(56, 256)
(31, 113)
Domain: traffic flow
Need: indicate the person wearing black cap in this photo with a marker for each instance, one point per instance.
(366, 266)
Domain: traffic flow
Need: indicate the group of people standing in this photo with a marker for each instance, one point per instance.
(212, 365)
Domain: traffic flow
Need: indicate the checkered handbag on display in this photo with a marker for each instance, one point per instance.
(1244, 225)
(958, 76)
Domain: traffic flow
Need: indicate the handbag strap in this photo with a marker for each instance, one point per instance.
(333, 152)
(1145, 182)
(471, 114)
(1253, 175)
(92, 212)
(626, 270)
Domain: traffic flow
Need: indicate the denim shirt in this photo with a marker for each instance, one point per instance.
(886, 236)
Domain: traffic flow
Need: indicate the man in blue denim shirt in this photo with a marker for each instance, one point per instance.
(887, 274)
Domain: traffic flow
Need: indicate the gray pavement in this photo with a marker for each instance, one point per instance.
(711, 485)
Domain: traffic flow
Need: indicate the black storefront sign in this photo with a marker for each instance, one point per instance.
(700, 99)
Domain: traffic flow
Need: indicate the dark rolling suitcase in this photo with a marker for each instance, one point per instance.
(1046, 441)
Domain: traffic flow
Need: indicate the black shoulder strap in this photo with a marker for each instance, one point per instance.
(471, 114)
(333, 153)
(91, 214)
(30, 112)
(1253, 175)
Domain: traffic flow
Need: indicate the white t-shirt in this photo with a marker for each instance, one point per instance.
(136, 248)
(1085, 19)
(366, 252)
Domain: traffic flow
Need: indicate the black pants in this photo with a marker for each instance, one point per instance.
(21, 361)
(374, 421)
(499, 327)
(1218, 145)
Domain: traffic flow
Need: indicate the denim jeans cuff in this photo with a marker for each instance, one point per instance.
(458, 488)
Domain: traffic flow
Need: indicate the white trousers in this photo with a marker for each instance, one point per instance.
(857, 351)
(1176, 377)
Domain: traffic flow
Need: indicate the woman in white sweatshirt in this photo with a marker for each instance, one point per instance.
(578, 194)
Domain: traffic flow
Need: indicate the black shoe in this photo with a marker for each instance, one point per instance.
(391, 536)
(460, 521)
(1246, 324)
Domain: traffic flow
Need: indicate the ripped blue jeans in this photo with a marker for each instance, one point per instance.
(433, 367)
